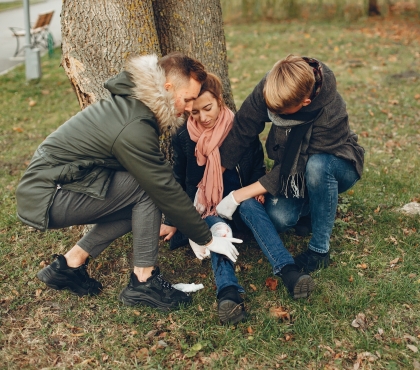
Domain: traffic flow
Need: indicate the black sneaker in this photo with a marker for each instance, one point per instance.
(230, 307)
(299, 284)
(310, 261)
(59, 276)
(154, 292)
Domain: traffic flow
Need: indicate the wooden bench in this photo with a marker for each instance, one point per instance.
(40, 36)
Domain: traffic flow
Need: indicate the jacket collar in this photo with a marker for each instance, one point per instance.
(149, 87)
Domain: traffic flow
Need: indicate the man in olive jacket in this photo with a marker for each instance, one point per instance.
(104, 167)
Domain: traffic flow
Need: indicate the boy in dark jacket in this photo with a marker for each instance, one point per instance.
(316, 155)
(104, 167)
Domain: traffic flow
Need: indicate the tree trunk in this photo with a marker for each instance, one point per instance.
(195, 27)
(373, 8)
(98, 36)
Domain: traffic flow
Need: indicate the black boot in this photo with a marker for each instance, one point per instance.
(230, 307)
(310, 260)
(299, 284)
(59, 276)
(154, 292)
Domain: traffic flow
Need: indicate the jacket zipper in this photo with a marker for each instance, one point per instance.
(238, 169)
(47, 218)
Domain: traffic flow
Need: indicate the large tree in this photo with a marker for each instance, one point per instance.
(98, 36)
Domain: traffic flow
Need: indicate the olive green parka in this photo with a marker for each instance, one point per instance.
(116, 134)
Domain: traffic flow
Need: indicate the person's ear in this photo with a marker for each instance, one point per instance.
(306, 102)
(168, 86)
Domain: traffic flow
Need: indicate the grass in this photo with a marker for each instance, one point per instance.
(8, 5)
(375, 248)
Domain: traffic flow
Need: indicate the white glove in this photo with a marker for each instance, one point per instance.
(224, 246)
(221, 229)
(199, 250)
(199, 207)
(227, 206)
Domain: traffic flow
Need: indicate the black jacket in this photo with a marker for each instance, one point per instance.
(330, 132)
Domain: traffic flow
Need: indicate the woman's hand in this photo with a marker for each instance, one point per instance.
(167, 231)
(260, 198)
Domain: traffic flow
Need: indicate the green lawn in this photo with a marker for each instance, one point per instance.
(375, 273)
(7, 5)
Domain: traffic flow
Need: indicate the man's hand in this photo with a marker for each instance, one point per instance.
(167, 231)
(200, 251)
(227, 207)
(219, 245)
(224, 246)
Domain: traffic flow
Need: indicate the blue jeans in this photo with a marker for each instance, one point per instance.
(256, 218)
(326, 176)
(223, 269)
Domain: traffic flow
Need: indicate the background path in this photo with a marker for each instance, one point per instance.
(15, 18)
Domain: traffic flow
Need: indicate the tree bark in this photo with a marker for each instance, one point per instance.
(195, 27)
(98, 36)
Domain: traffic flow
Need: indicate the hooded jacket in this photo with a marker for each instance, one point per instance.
(329, 132)
(119, 133)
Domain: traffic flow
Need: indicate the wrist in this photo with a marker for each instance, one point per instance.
(206, 245)
(235, 197)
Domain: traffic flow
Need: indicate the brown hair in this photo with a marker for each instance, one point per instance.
(181, 68)
(213, 85)
(290, 81)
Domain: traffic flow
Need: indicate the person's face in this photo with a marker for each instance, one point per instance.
(184, 95)
(205, 110)
(297, 108)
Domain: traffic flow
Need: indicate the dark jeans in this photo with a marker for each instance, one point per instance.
(326, 176)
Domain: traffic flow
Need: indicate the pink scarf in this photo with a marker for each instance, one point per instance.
(210, 188)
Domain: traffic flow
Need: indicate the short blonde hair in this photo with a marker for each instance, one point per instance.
(290, 81)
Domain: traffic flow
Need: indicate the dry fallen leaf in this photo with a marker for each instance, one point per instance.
(250, 331)
(137, 313)
(362, 266)
(32, 103)
(413, 348)
(411, 338)
(271, 283)
(278, 312)
(151, 333)
(395, 261)
(351, 279)
(253, 287)
(142, 353)
(360, 321)
(18, 129)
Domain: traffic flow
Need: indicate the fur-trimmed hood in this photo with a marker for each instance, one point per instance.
(145, 80)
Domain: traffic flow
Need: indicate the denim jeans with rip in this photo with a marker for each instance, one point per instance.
(326, 176)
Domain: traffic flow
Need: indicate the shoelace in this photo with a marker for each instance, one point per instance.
(163, 282)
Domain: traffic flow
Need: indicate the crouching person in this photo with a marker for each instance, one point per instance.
(316, 156)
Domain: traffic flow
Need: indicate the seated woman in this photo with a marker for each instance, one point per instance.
(197, 167)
